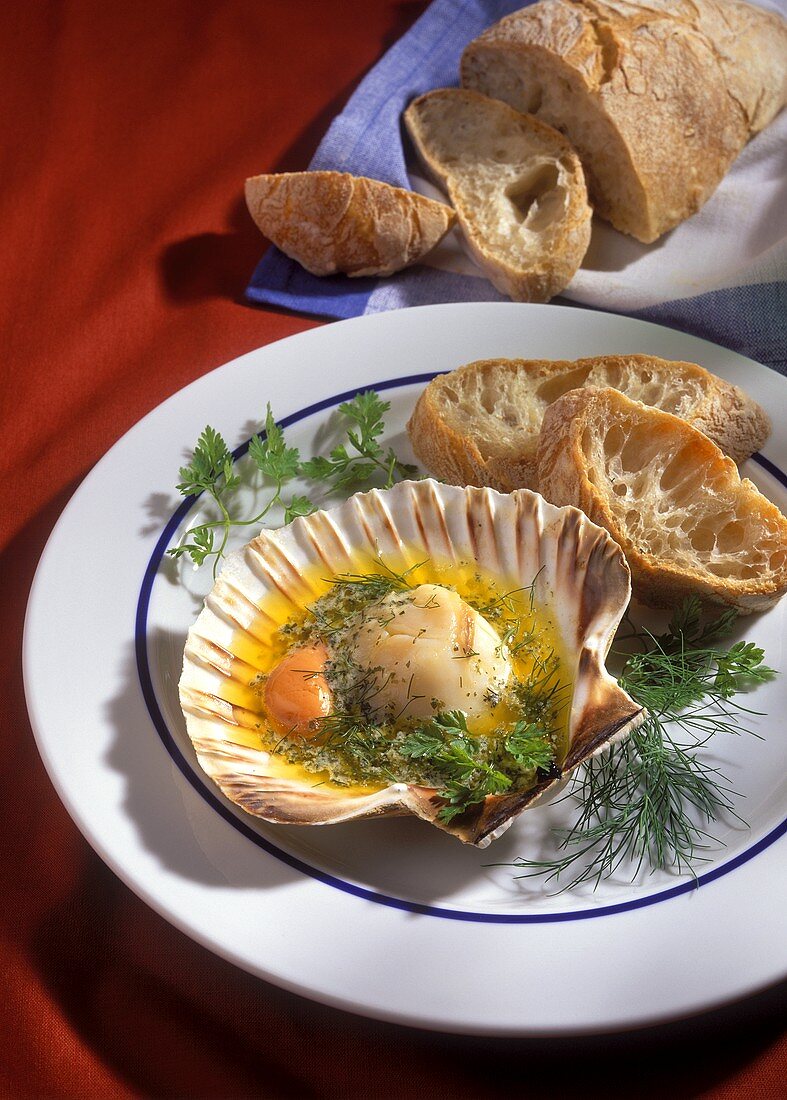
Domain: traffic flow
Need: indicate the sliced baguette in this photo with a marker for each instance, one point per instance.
(686, 522)
(332, 221)
(479, 424)
(658, 98)
(517, 186)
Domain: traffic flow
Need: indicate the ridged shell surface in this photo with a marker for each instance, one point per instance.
(581, 576)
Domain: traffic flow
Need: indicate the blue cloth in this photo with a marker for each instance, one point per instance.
(366, 139)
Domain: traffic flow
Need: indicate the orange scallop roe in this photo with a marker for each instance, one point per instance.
(297, 692)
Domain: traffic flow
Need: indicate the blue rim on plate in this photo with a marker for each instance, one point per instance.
(209, 795)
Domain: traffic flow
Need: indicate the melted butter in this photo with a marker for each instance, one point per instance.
(263, 647)
(280, 768)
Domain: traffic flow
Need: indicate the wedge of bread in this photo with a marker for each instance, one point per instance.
(517, 186)
(479, 424)
(332, 221)
(658, 97)
(675, 504)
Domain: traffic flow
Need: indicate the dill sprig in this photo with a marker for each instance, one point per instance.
(377, 584)
(649, 801)
(211, 470)
(503, 604)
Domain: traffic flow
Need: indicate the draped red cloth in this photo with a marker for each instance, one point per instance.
(125, 134)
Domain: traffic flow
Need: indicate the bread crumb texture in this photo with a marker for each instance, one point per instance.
(658, 98)
(479, 424)
(686, 521)
(516, 184)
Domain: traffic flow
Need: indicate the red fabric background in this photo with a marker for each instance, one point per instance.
(125, 134)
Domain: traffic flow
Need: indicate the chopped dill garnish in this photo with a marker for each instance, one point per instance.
(378, 584)
(508, 603)
(648, 802)
(437, 752)
(368, 738)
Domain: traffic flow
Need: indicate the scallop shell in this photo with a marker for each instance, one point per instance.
(581, 575)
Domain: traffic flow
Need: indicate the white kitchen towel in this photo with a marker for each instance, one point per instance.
(720, 275)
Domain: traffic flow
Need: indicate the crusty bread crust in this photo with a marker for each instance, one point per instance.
(516, 184)
(686, 522)
(479, 424)
(332, 221)
(659, 98)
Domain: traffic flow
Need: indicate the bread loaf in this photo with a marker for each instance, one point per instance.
(677, 507)
(332, 221)
(658, 98)
(479, 424)
(517, 186)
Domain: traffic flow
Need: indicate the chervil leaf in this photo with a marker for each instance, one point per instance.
(451, 720)
(339, 456)
(271, 455)
(198, 550)
(367, 444)
(298, 506)
(231, 479)
(367, 410)
(421, 743)
(355, 464)
(355, 475)
(445, 745)
(318, 468)
(742, 662)
(363, 462)
(210, 461)
(530, 746)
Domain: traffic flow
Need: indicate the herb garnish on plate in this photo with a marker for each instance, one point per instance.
(360, 743)
(648, 801)
(358, 463)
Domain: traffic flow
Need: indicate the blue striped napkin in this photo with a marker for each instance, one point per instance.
(721, 275)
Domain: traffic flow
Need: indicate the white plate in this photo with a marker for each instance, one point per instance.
(391, 918)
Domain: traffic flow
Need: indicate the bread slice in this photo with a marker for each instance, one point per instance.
(658, 97)
(479, 424)
(517, 186)
(332, 221)
(687, 523)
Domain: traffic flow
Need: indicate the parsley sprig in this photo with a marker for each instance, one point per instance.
(649, 801)
(444, 744)
(349, 469)
(438, 752)
(447, 748)
(212, 471)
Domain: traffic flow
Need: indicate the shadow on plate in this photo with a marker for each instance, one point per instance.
(187, 839)
(399, 857)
